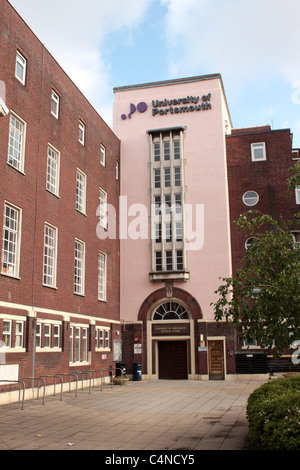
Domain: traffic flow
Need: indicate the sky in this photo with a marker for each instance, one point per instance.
(253, 44)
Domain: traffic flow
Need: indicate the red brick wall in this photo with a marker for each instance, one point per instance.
(268, 178)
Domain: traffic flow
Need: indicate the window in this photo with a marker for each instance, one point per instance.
(16, 142)
(84, 345)
(167, 177)
(170, 311)
(250, 198)
(47, 336)
(71, 351)
(38, 335)
(258, 152)
(167, 150)
(56, 336)
(79, 268)
(297, 194)
(102, 155)
(53, 162)
(106, 345)
(169, 260)
(81, 192)
(158, 261)
(77, 345)
(179, 259)
(50, 256)
(55, 104)
(177, 176)
(102, 262)
(21, 64)
(6, 337)
(101, 339)
(11, 241)
(157, 178)
(81, 133)
(102, 209)
(296, 236)
(19, 334)
(117, 170)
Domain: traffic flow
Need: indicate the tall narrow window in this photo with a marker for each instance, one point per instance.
(84, 345)
(50, 256)
(103, 209)
(297, 194)
(38, 335)
(21, 64)
(11, 241)
(53, 163)
(6, 336)
(47, 336)
(102, 267)
(81, 192)
(77, 345)
(56, 336)
(55, 104)
(71, 350)
(102, 155)
(79, 267)
(16, 143)
(19, 334)
(81, 133)
(107, 339)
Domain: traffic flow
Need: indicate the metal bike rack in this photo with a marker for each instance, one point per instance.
(83, 373)
(38, 386)
(21, 383)
(54, 376)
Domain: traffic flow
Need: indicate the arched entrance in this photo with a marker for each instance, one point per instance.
(169, 318)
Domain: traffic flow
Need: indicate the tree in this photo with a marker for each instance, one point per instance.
(262, 300)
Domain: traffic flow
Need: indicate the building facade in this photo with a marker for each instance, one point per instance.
(59, 276)
(175, 186)
(113, 242)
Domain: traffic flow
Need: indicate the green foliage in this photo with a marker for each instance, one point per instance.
(263, 298)
(294, 179)
(273, 413)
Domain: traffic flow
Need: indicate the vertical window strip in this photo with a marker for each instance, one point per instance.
(81, 192)
(11, 241)
(52, 184)
(21, 65)
(103, 209)
(7, 331)
(102, 268)
(79, 267)
(50, 256)
(19, 334)
(55, 104)
(16, 143)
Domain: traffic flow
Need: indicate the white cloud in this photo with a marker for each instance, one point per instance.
(74, 33)
(237, 37)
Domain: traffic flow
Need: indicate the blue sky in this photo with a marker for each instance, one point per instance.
(253, 44)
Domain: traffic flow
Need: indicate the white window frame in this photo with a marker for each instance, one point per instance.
(117, 169)
(50, 251)
(79, 267)
(77, 344)
(103, 209)
(102, 276)
(21, 64)
(53, 170)
(297, 194)
(7, 334)
(56, 336)
(261, 146)
(11, 244)
(55, 99)
(103, 155)
(81, 191)
(254, 200)
(106, 339)
(19, 335)
(101, 339)
(71, 348)
(84, 345)
(81, 136)
(38, 335)
(16, 142)
(47, 336)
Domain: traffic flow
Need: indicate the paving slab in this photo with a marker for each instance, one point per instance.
(145, 415)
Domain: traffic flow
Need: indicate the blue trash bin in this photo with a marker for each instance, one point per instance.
(137, 371)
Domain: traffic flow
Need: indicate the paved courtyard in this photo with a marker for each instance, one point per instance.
(146, 415)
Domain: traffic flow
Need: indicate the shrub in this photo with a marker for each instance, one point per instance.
(273, 412)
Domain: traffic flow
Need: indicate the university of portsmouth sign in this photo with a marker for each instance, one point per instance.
(189, 104)
(181, 105)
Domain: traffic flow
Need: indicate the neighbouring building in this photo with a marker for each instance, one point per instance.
(59, 281)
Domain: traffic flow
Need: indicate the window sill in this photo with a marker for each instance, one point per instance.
(11, 276)
(17, 169)
(13, 350)
(175, 276)
(48, 350)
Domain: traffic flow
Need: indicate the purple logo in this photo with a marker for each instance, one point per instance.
(141, 107)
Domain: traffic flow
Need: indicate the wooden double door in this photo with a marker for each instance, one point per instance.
(172, 360)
